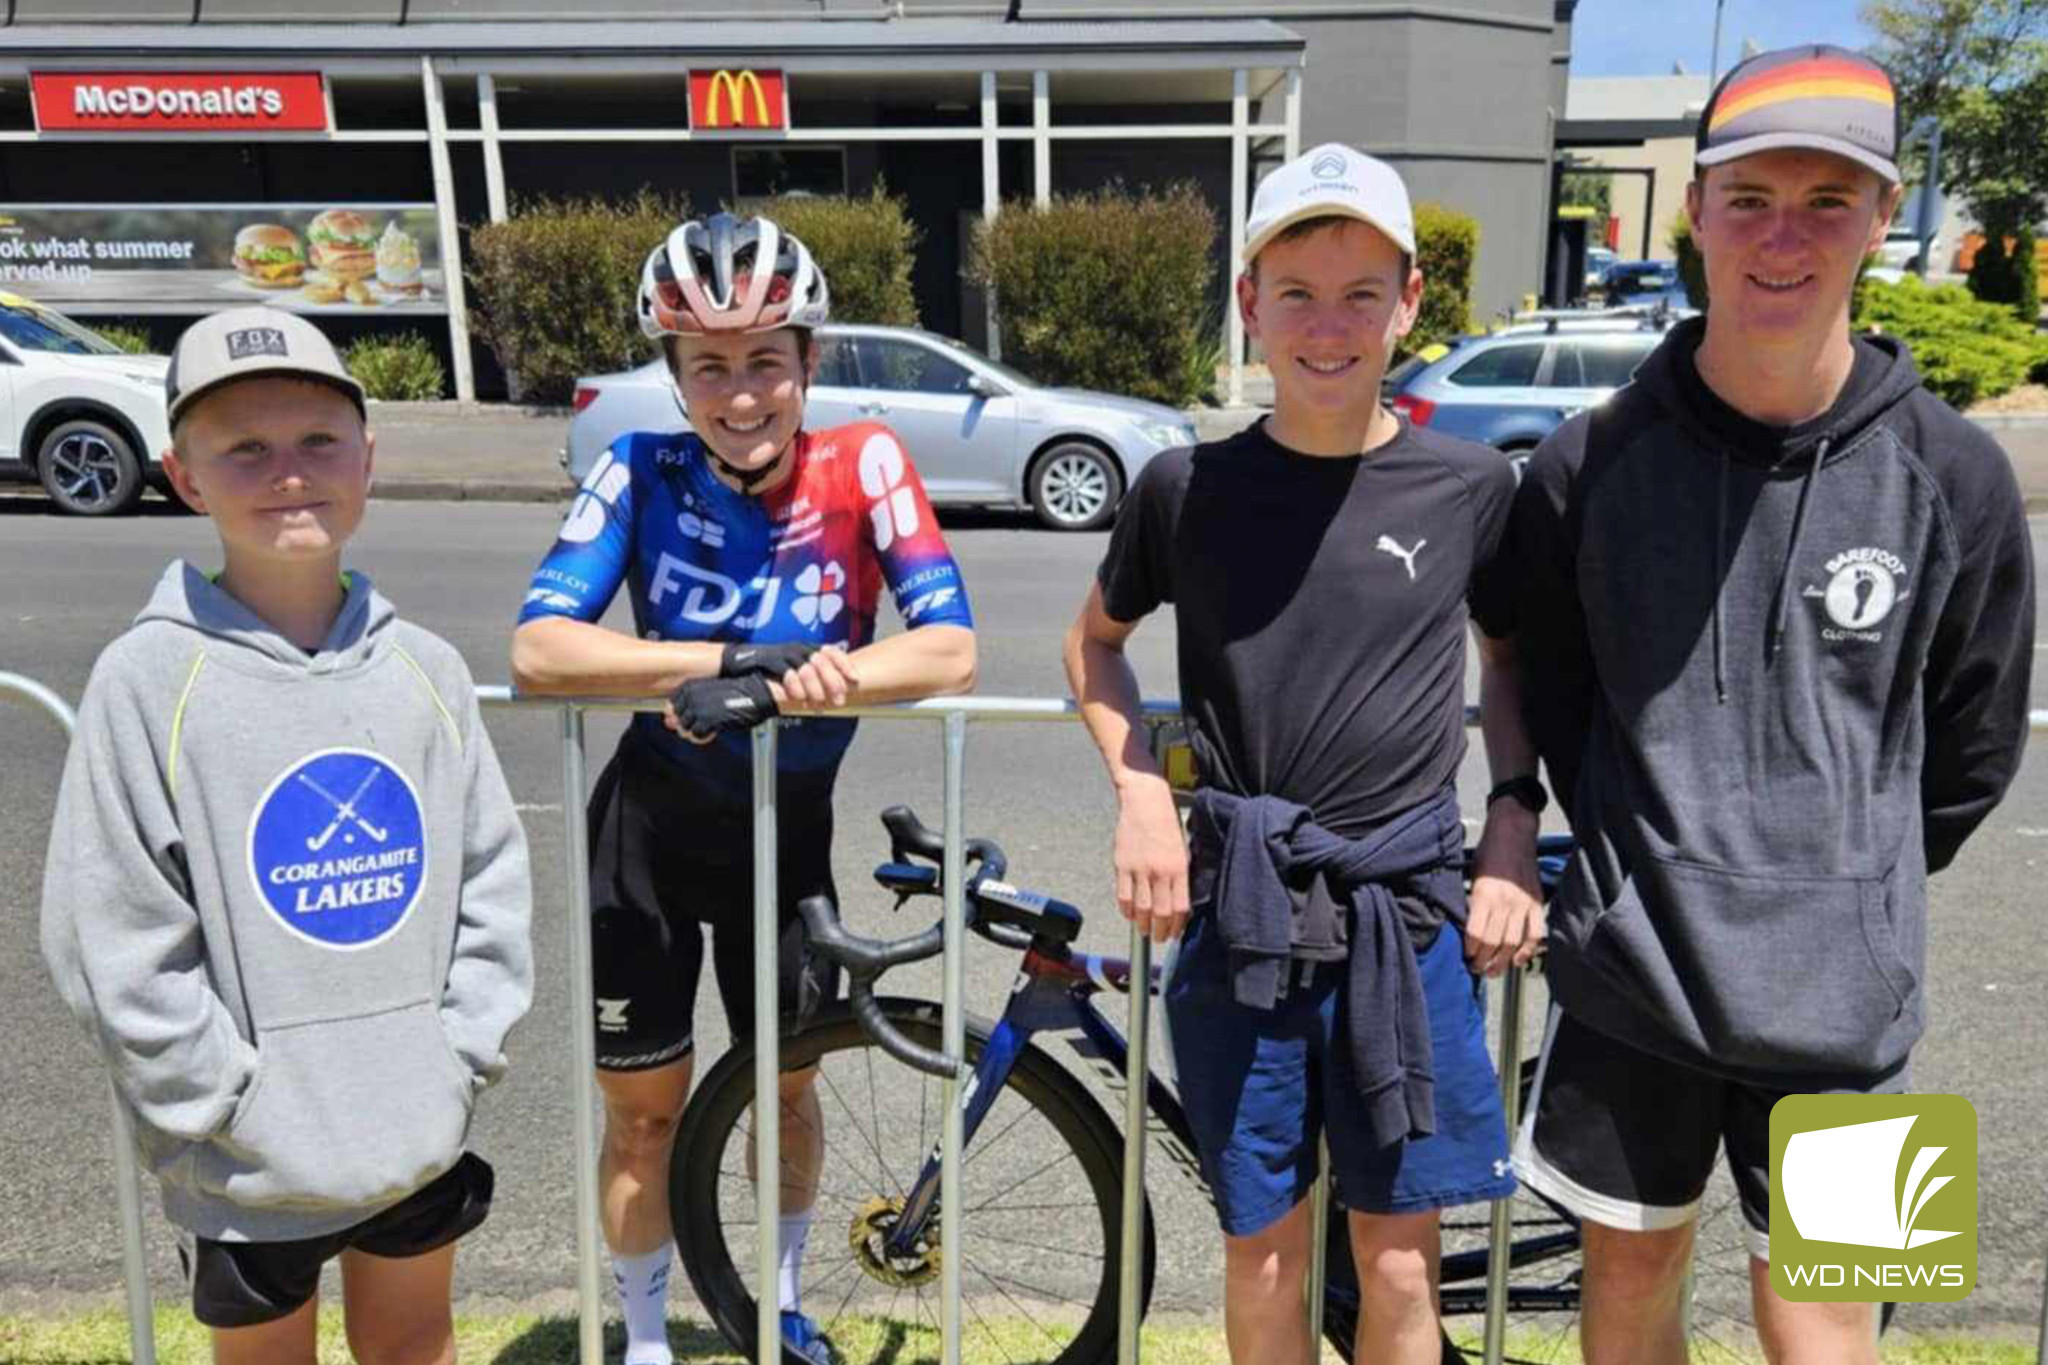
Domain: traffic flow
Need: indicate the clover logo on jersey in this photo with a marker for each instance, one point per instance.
(818, 594)
(338, 848)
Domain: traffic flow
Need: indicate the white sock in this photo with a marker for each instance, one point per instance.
(796, 1230)
(643, 1293)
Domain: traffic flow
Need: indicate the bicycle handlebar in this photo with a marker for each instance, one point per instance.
(865, 959)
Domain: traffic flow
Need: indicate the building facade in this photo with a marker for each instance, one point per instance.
(446, 113)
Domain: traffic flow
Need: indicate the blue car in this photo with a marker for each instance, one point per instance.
(1511, 389)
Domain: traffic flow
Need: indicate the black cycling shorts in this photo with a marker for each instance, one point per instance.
(664, 868)
(246, 1284)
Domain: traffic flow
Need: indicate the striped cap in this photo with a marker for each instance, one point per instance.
(1815, 96)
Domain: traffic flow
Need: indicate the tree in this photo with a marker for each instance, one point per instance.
(1995, 156)
(1937, 49)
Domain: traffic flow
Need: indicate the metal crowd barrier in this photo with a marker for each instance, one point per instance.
(954, 716)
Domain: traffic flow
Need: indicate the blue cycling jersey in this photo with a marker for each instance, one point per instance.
(803, 562)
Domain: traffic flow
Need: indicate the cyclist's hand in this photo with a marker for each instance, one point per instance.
(1151, 860)
(1506, 926)
(742, 659)
(822, 682)
(706, 707)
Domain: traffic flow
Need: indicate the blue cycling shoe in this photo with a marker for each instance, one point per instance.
(802, 1336)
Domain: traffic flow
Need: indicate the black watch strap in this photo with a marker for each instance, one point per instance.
(1525, 789)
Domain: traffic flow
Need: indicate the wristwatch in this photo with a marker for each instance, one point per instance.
(1525, 789)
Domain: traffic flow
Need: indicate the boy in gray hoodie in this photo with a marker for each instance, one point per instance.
(289, 892)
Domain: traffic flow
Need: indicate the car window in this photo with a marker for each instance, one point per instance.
(34, 329)
(906, 367)
(1610, 364)
(835, 363)
(1500, 367)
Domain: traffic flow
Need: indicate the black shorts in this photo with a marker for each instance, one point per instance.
(246, 1284)
(664, 869)
(1628, 1140)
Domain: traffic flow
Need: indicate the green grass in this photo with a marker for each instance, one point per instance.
(523, 1339)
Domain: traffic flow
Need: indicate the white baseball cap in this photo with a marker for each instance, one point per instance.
(244, 343)
(1331, 179)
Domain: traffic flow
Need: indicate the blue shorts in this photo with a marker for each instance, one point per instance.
(1260, 1085)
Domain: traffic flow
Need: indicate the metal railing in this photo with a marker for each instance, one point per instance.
(954, 716)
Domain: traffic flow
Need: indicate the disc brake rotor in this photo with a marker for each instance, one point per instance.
(869, 1239)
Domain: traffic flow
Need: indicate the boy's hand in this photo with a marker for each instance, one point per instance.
(1151, 858)
(1505, 926)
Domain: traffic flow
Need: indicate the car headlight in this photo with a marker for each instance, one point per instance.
(1168, 433)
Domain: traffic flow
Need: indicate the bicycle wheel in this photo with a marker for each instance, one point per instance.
(1043, 1182)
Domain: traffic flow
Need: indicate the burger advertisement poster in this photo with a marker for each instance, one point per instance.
(183, 258)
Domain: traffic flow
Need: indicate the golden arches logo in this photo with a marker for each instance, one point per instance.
(735, 87)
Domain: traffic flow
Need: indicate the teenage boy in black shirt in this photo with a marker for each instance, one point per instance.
(1320, 567)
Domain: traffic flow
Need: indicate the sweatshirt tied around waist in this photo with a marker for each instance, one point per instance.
(1285, 889)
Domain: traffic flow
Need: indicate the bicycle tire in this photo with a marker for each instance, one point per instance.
(1042, 1107)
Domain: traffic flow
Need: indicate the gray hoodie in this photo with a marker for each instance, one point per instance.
(288, 895)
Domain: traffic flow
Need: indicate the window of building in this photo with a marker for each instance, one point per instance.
(765, 172)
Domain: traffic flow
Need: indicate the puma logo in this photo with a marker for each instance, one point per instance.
(1388, 545)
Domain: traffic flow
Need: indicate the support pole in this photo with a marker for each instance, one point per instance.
(582, 1044)
(953, 1032)
(767, 1058)
(451, 234)
(991, 196)
(494, 160)
(1502, 1232)
(1240, 168)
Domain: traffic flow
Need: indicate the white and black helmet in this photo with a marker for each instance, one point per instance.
(708, 278)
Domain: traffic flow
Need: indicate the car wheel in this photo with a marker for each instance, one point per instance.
(88, 469)
(1075, 487)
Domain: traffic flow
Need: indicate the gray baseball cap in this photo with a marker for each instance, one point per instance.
(245, 343)
(1815, 97)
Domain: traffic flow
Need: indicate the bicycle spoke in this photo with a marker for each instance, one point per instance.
(1038, 1291)
(1011, 1299)
(870, 1139)
(1033, 1207)
(1021, 1183)
(975, 1309)
(1039, 1246)
(984, 1144)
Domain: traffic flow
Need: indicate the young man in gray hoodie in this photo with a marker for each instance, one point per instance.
(1775, 623)
(288, 892)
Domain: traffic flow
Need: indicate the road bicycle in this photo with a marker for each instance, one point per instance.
(1042, 1162)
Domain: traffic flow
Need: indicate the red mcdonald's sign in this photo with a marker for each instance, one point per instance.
(175, 101)
(738, 99)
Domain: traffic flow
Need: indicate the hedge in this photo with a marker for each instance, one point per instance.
(400, 369)
(131, 340)
(552, 289)
(1446, 246)
(1108, 290)
(1964, 348)
(2008, 276)
(866, 248)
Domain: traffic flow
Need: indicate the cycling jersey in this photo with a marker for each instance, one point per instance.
(805, 561)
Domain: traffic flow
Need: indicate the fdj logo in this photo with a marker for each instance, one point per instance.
(1873, 1197)
(337, 848)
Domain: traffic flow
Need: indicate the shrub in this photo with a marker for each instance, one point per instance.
(1965, 349)
(1446, 246)
(2008, 276)
(1692, 268)
(133, 340)
(399, 369)
(866, 248)
(552, 289)
(1108, 290)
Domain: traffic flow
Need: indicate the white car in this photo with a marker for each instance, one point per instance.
(1900, 249)
(76, 411)
(981, 433)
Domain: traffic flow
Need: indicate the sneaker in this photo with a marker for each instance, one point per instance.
(801, 1335)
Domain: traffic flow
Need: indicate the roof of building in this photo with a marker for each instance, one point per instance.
(1607, 99)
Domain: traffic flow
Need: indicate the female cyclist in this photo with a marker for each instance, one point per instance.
(755, 552)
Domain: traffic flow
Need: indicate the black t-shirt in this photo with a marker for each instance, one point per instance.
(1321, 606)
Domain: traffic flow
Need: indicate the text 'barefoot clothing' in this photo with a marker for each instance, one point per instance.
(1321, 607)
(288, 894)
(671, 820)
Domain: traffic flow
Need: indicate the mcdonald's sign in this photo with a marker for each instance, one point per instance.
(738, 99)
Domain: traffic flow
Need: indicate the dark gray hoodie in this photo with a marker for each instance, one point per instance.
(288, 895)
(1776, 677)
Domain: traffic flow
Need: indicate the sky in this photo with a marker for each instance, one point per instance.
(1635, 38)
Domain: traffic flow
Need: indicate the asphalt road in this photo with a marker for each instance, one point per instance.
(460, 570)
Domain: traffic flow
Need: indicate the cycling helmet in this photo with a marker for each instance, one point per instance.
(706, 278)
